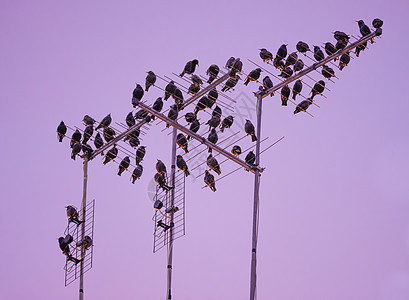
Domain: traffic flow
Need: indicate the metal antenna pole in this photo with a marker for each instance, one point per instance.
(255, 207)
(171, 204)
(84, 203)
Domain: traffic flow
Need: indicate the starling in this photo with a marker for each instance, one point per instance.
(318, 54)
(202, 104)
(134, 142)
(377, 23)
(194, 127)
(64, 244)
(265, 55)
(193, 89)
(160, 179)
(98, 142)
(196, 80)
(105, 122)
(172, 114)
(182, 142)
(160, 167)
(250, 158)
(178, 97)
(302, 106)
(76, 138)
(360, 48)
(212, 72)
(61, 131)
(341, 44)
(282, 52)
(149, 81)
(299, 65)
(137, 173)
(302, 47)
(291, 59)
(108, 134)
(89, 130)
(133, 134)
(137, 95)
(278, 63)
(297, 88)
(341, 36)
(181, 164)
(330, 48)
(87, 150)
(236, 150)
(287, 72)
(87, 120)
(236, 68)
(213, 138)
(212, 96)
(217, 111)
(230, 83)
(124, 165)
(111, 155)
(267, 84)
(318, 88)
(285, 93)
(76, 149)
(190, 67)
(140, 154)
(344, 60)
(230, 62)
(190, 117)
(170, 89)
(327, 72)
(213, 122)
(209, 180)
(253, 76)
(249, 129)
(213, 164)
(141, 114)
(226, 123)
(72, 213)
(157, 105)
(363, 28)
(130, 121)
(86, 242)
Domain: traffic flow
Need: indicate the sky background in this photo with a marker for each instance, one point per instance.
(334, 198)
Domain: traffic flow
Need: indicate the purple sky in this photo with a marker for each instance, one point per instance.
(334, 221)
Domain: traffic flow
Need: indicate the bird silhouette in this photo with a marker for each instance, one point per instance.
(150, 80)
(209, 181)
(213, 164)
(236, 150)
(137, 173)
(302, 106)
(170, 89)
(181, 164)
(212, 72)
(105, 122)
(194, 127)
(172, 114)
(182, 142)
(302, 47)
(253, 76)
(140, 154)
(61, 131)
(282, 52)
(344, 61)
(318, 88)
(89, 130)
(137, 95)
(226, 123)
(190, 67)
(297, 88)
(111, 155)
(265, 55)
(230, 83)
(87, 120)
(124, 165)
(75, 138)
(285, 93)
(249, 129)
(108, 134)
(250, 158)
(213, 138)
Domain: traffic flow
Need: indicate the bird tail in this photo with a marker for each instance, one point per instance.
(186, 150)
(218, 171)
(181, 74)
(73, 156)
(210, 80)
(224, 88)
(247, 81)
(60, 138)
(284, 101)
(167, 125)
(167, 95)
(187, 173)
(188, 137)
(213, 188)
(133, 180)
(294, 94)
(297, 110)
(120, 172)
(221, 129)
(253, 138)
(210, 150)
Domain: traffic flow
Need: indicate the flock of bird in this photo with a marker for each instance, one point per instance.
(288, 65)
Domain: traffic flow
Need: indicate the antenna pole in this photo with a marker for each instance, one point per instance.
(84, 203)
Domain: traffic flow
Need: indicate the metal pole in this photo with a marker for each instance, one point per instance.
(84, 202)
(171, 204)
(255, 207)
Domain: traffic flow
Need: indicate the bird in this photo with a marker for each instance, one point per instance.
(137, 173)
(190, 117)
(363, 28)
(302, 47)
(282, 52)
(213, 164)
(172, 114)
(87, 150)
(341, 44)
(265, 55)
(302, 106)
(249, 129)
(108, 134)
(318, 88)
(86, 243)
(72, 213)
(193, 89)
(178, 97)
(161, 181)
(140, 154)
(291, 59)
(267, 84)
(87, 120)
(287, 72)
(213, 122)
(236, 68)
(327, 72)
(160, 167)
(150, 80)
(212, 72)
(141, 114)
(133, 134)
(130, 121)
(157, 105)
(230, 83)
(236, 150)
(89, 130)
(360, 48)
(111, 155)
(297, 88)
(212, 96)
(181, 164)
(298, 66)
(190, 67)
(209, 180)
(278, 63)
(344, 60)
(285, 93)
(182, 142)
(194, 127)
(75, 138)
(318, 54)
(105, 122)
(226, 123)
(76, 149)
(170, 89)
(196, 80)
(98, 141)
(253, 76)
(124, 165)
(213, 138)
(134, 142)
(250, 158)
(377, 23)
(64, 244)
(217, 111)
(137, 95)
(341, 36)
(61, 131)
(230, 62)
(202, 104)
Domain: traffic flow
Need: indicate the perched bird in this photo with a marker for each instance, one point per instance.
(363, 28)
(98, 141)
(157, 105)
(341, 36)
(130, 121)
(76, 149)
(278, 63)
(253, 76)
(287, 72)
(133, 134)
(137, 173)
(217, 111)
(64, 244)
(226, 123)
(282, 52)
(230, 62)
(341, 44)
(149, 81)
(249, 129)
(181, 164)
(105, 122)
(250, 158)
(285, 93)
(137, 95)
(190, 117)
(212, 72)
(86, 242)
(170, 89)
(172, 114)
(213, 122)
(302, 106)
(108, 134)
(265, 55)
(236, 68)
(87, 150)
(194, 127)
(141, 114)
(236, 150)
(75, 138)
(213, 164)
(140, 154)
(344, 60)
(327, 72)
(212, 96)
(196, 80)
(124, 165)
(297, 88)
(178, 97)
(87, 120)
(330, 48)
(302, 47)
(89, 130)
(360, 48)
(193, 89)
(377, 23)
(318, 54)
(110, 155)
(72, 213)
(299, 65)
(61, 131)
(161, 181)
(190, 67)
(213, 138)
(230, 83)
(134, 142)
(202, 104)
(267, 84)
(291, 59)
(318, 88)
(182, 142)
(209, 180)
(160, 167)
